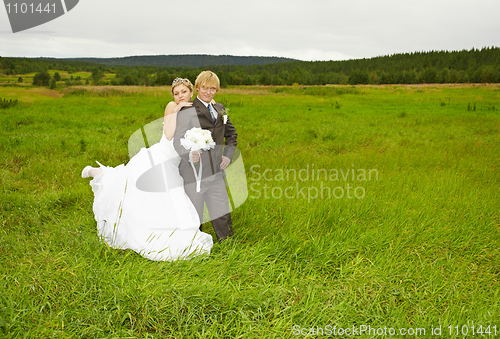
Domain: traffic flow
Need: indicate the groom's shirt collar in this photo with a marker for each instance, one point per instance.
(206, 105)
(203, 102)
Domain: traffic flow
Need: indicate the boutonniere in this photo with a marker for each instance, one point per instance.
(224, 112)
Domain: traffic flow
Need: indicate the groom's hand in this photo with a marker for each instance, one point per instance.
(224, 163)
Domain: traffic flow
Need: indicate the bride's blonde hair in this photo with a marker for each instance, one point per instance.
(181, 81)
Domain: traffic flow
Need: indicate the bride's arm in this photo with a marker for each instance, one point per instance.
(170, 119)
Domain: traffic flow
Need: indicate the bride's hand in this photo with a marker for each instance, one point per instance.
(195, 155)
(212, 102)
(182, 104)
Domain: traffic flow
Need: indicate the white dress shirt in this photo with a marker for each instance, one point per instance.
(206, 105)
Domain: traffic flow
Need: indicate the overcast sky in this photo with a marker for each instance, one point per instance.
(305, 30)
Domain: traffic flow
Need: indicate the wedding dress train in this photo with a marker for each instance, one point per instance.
(159, 222)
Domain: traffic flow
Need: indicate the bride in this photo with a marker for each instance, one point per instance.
(158, 225)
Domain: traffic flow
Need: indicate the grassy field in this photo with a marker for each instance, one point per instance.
(370, 208)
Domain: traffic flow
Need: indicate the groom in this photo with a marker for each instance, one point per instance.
(210, 117)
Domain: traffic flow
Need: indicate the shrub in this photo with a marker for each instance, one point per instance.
(53, 84)
(41, 79)
(4, 103)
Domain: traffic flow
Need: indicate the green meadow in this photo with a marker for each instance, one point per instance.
(371, 210)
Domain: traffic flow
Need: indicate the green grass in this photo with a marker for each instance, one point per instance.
(419, 249)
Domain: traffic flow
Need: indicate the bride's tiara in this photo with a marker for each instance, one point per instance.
(181, 81)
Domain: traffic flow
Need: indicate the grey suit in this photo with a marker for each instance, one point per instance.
(213, 189)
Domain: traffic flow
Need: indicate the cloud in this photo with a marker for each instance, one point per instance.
(311, 30)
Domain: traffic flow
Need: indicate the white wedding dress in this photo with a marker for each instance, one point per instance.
(155, 219)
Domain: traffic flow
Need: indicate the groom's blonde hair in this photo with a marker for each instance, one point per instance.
(207, 79)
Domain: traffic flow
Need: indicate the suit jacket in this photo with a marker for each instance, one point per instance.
(224, 136)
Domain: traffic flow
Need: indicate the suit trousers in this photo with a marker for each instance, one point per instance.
(213, 193)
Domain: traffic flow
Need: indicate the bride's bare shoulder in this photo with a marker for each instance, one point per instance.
(170, 107)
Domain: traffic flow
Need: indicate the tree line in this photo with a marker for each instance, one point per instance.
(188, 60)
(475, 66)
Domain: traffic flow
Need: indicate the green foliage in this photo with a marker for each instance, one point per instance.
(4, 103)
(128, 80)
(164, 79)
(430, 75)
(199, 60)
(57, 76)
(53, 83)
(465, 66)
(41, 79)
(97, 75)
(358, 77)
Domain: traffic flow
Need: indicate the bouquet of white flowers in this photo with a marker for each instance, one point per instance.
(197, 139)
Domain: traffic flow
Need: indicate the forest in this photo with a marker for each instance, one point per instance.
(187, 60)
(466, 66)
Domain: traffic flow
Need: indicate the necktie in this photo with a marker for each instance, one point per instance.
(211, 112)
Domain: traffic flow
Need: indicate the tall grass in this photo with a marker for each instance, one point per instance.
(420, 247)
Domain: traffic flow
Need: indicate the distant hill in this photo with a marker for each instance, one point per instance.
(465, 66)
(188, 60)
